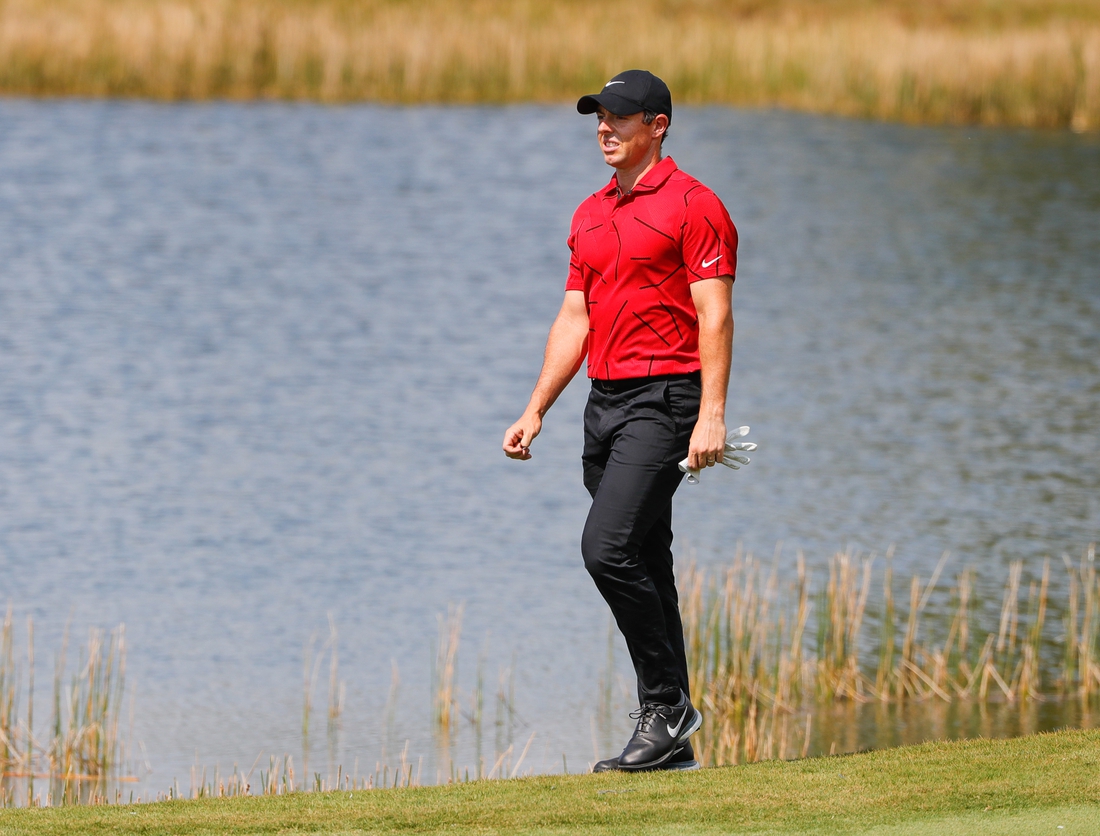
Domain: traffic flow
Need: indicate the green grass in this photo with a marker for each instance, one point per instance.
(1021, 786)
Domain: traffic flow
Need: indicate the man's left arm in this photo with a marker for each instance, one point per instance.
(713, 300)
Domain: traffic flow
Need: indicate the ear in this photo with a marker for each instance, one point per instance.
(659, 125)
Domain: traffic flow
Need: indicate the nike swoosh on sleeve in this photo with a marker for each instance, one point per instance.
(707, 264)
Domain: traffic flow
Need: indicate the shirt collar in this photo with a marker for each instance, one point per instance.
(651, 180)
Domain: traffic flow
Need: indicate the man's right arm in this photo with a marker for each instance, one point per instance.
(565, 350)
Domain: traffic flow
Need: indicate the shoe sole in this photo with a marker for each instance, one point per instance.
(612, 764)
(683, 766)
(679, 766)
(692, 727)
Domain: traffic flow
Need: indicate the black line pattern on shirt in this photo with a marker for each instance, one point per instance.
(665, 279)
(594, 270)
(640, 258)
(688, 193)
(651, 226)
(649, 372)
(619, 253)
(641, 319)
(712, 229)
(597, 226)
(611, 330)
(672, 316)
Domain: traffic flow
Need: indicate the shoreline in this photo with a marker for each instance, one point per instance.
(1018, 786)
(1039, 68)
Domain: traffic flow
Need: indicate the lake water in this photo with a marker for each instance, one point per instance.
(256, 362)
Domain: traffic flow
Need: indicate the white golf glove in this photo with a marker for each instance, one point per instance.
(731, 458)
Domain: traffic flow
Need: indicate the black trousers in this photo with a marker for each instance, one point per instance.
(635, 434)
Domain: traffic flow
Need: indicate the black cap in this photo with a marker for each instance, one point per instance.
(630, 92)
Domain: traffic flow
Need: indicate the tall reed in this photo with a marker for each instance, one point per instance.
(445, 669)
(1020, 62)
(89, 744)
(450, 706)
(760, 685)
(83, 752)
(337, 691)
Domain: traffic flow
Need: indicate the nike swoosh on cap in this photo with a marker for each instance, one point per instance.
(614, 82)
(708, 263)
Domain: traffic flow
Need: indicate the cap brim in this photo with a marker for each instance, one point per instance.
(609, 102)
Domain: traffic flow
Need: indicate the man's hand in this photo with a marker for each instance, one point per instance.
(518, 437)
(708, 443)
(732, 457)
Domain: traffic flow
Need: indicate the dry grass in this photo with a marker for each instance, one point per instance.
(337, 692)
(444, 692)
(769, 662)
(450, 707)
(1020, 62)
(82, 755)
(760, 685)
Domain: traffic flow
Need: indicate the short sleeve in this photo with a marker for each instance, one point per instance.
(575, 279)
(709, 237)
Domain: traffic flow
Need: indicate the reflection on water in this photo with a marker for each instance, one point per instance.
(255, 361)
(856, 727)
(847, 726)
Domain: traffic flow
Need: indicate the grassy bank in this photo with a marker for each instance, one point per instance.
(1018, 62)
(1026, 785)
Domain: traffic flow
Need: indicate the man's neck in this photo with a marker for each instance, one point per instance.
(628, 177)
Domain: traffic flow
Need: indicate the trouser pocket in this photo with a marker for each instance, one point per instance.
(682, 398)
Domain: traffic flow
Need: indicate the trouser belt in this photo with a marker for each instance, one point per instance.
(625, 384)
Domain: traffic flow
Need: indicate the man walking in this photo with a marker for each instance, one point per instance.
(653, 257)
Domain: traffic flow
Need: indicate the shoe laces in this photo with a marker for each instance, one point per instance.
(647, 715)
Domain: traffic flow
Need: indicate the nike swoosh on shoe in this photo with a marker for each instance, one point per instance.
(673, 731)
(693, 726)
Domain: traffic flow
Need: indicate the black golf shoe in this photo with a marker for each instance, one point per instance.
(661, 730)
(682, 760)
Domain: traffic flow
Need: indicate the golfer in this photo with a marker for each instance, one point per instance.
(648, 301)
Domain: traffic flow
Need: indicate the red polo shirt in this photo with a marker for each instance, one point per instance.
(635, 258)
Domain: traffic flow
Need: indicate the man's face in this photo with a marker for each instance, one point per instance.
(626, 141)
